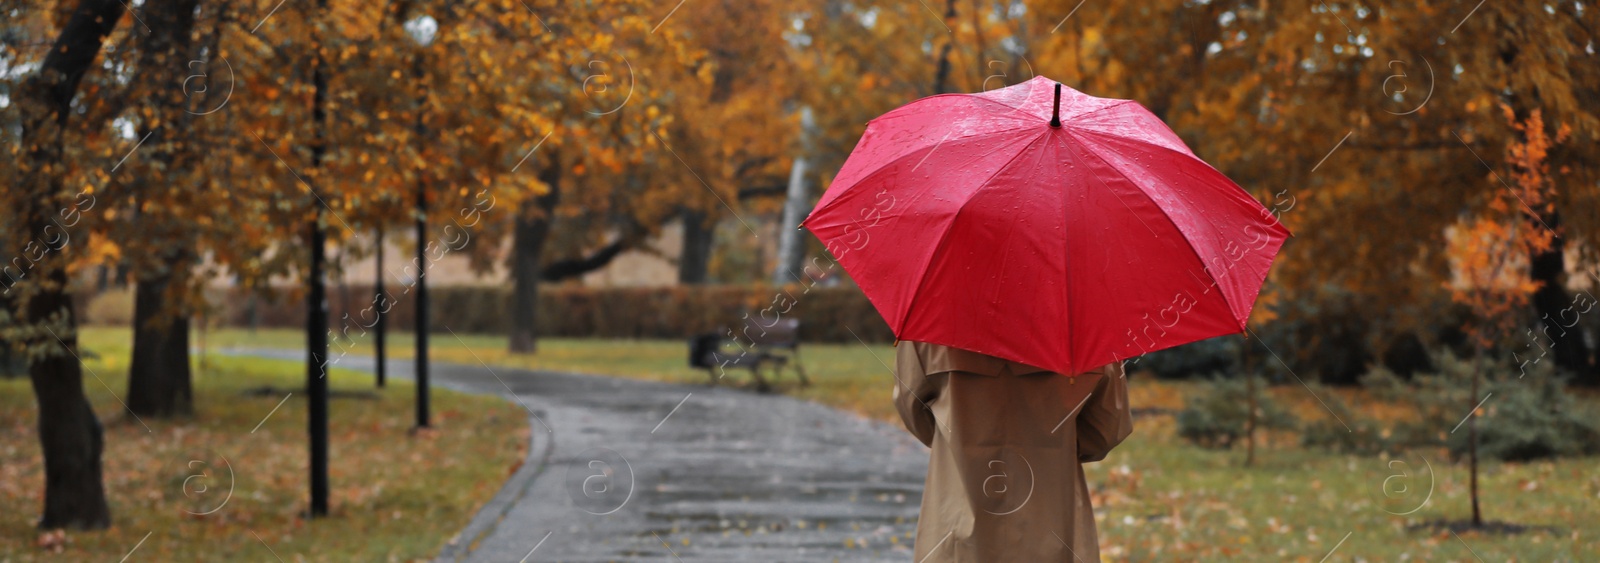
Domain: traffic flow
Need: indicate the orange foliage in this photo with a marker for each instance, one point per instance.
(1490, 250)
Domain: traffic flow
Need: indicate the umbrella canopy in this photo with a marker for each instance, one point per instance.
(1044, 226)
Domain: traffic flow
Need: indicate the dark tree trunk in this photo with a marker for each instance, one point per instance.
(1254, 400)
(941, 77)
(694, 263)
(158, 375)
(1472, 439)
(1555, 309)
(69, 433)
(532, 230)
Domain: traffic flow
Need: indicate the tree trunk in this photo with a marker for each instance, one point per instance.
(158, 375)
(1549, 301)
(694, 263)
(791, 249)
(531, 232)
(1472, 438)
(941, 77)
(69, 433)
(1255, 405)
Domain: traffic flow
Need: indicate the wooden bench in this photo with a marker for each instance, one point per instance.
(775, 346)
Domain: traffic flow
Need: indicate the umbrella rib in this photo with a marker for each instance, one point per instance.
(1187, 241)
(1064, 118)
(1066, 282)
(1119, 102)
(1080, 115)
(917, 103)
(896, 160)
(945, 236)
(1239, 195)
(1120, 200)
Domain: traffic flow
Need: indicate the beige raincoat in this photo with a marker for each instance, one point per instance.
(1004, 479)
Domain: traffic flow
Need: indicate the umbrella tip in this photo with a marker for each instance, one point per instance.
(1055, 113)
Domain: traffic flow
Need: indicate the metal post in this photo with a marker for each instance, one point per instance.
(316, 371)
(317, 303)
(422, 271)
(381, 304)
(422, 306)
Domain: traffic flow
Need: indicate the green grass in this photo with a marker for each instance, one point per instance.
(395, 496)
(848, 376)
(1161, 498)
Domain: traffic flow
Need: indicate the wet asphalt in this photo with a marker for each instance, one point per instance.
(627, 470)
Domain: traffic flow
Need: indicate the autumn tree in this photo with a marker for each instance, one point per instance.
(735, 121)
(43, 206)
(1365, 117)
(1490, 248)
(588, 75)
(160, 212)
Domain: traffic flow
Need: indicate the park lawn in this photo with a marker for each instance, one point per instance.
(848, 376)
(1160, 498)
(215, 487)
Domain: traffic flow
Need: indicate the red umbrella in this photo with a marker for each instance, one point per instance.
(1044, 226)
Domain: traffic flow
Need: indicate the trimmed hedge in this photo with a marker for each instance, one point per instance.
(827, 314)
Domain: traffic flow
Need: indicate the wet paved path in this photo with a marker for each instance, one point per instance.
(625, 470)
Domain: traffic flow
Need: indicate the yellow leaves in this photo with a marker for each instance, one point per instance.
(601, 42)
(538, 188)
(1092, 37)
(867, 83)
(104, 250)
(1264, 311)
(611, 162)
